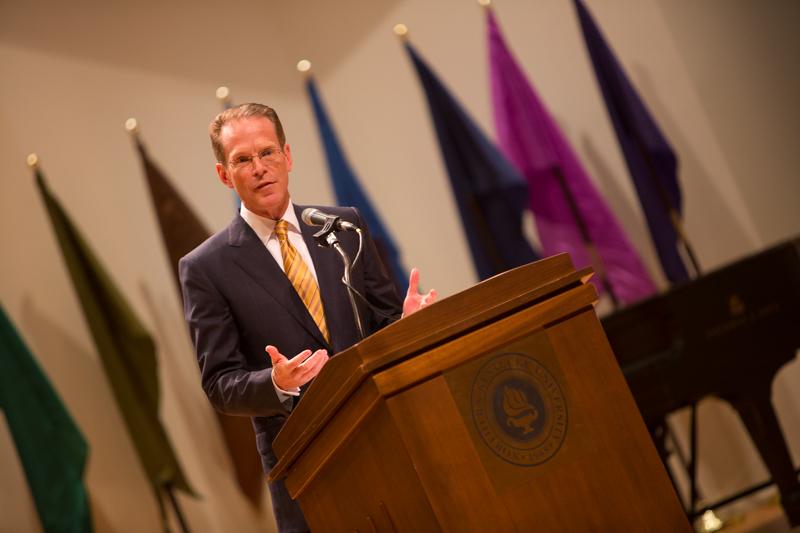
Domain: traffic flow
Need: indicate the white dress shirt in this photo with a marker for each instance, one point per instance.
(265, 229)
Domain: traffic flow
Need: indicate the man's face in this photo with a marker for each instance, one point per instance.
(257, 166)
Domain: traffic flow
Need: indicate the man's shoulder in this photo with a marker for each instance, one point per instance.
(215, 244)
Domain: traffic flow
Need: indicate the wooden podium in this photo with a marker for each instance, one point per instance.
(501, 408)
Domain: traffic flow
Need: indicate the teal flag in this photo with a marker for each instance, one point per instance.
(126, 350)
(50, 446)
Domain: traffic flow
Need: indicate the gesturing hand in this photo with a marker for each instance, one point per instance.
(297, 371)
(414, 300)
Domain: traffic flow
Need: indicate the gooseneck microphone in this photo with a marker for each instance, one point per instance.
(315, 217)
(327, 237)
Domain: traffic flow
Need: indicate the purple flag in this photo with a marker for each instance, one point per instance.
(570, 214)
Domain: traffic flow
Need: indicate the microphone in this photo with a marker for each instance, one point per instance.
(315, 217)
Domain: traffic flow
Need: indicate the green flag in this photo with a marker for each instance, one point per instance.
(126, 350)
(49, 444)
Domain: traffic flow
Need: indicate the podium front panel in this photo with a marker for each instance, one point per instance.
(524, 423)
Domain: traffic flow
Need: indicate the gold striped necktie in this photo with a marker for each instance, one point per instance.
(301, 278)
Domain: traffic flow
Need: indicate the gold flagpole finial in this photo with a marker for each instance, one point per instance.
(401, 30)
(486, 4)
(32, 160)
(224, 95)
(132, 126)
(304, 67)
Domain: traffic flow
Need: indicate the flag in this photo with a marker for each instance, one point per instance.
(490, 194)
(570, 214)
(181, 228)
(181, 232)
(126, 350)
(349, 192)
(50, 446)
(650, 159)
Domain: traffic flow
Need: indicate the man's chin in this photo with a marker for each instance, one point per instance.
(273, 210)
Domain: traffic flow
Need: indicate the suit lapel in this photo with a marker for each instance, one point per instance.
(328, 266)
(254, 258)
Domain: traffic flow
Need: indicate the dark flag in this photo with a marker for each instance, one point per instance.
(50, 446)
(651, 161)
(181, 232)
(349, 192)
(181, 228)
(570, 213)
(490, 193)
(126, 350)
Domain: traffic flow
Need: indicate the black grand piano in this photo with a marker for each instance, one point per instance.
(726, 334)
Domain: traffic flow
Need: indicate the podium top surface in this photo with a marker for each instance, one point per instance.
(481, 304)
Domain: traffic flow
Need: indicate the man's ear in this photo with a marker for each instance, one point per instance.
(224, 177)
(288, 151)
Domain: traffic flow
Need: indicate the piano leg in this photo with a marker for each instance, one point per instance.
(758, 415)
(658, 432)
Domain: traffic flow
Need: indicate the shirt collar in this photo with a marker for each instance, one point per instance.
(265, 227)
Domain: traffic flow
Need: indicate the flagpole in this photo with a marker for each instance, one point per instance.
(224, 96)
(591, 247)
(304, 67)
(677, 223)
(176, 507)
(669, 209)
(33, 162)
(401, 30)
(132, 127)
(672, 213)
(495, 256)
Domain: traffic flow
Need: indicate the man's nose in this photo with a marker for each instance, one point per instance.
(258, 166)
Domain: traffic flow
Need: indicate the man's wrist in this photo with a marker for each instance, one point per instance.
(284, 394)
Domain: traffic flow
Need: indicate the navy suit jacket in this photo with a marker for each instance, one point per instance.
(237, 300)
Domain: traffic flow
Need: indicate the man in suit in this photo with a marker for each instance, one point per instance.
(265, 306)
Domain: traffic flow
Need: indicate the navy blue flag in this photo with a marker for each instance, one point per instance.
(349, 192)
(650, 159)
(490, 193)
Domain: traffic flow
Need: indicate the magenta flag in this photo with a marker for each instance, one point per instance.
(570, 214)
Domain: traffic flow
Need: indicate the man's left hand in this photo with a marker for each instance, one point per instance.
(414, 300)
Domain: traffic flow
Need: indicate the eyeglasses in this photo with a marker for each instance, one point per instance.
(268, 157)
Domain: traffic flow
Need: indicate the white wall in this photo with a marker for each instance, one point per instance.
(720, 77)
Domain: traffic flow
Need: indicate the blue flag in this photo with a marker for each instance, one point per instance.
(349, 192)
(650, 159)
(490, 193)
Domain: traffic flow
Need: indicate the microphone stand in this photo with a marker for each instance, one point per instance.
(326, 237)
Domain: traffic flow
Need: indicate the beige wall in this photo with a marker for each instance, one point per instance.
(720, 77)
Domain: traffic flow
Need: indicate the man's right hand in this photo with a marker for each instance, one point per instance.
(297, 371)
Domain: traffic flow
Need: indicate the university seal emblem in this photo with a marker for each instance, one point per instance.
(519, 409)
